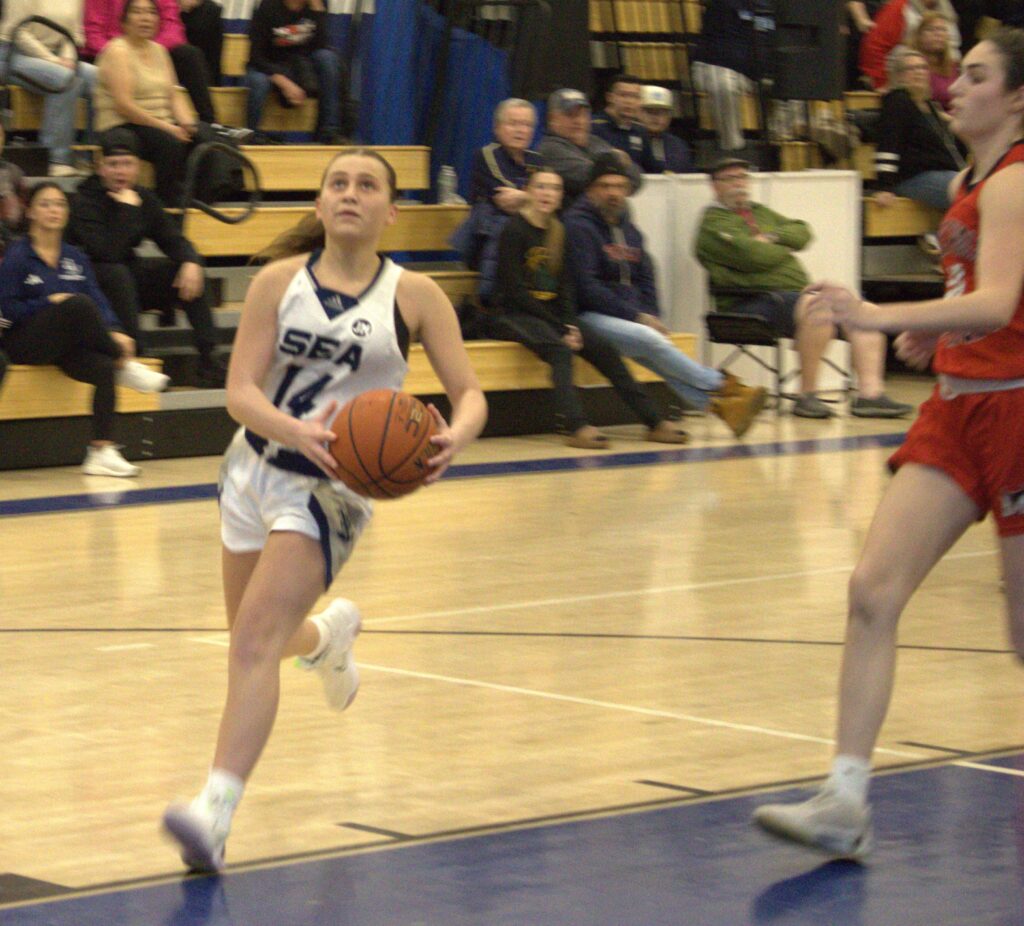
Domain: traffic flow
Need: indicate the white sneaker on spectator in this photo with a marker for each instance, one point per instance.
(200, 829)
(336, 664)
(107, 461)
(829, 821)
(141, 378)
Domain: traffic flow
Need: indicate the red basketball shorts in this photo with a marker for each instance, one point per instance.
(978, 441)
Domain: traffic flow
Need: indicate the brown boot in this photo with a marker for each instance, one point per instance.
(731, 385)
(587, 438)
(667, 432)
(740, 409)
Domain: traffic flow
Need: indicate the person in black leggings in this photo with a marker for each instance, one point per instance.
(59, 316)
(535, 305)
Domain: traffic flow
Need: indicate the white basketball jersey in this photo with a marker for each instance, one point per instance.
(333, 347)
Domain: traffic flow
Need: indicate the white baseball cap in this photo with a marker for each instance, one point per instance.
(656, 98)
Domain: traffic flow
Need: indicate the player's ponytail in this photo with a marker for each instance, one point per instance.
(306, 236)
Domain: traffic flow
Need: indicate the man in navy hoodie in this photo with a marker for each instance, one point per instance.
(616, 295)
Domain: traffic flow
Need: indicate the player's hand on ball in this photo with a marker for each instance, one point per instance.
(916, 348)
(313, 437)
(442, 440)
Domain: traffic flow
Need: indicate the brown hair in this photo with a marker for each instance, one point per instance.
(42, 187)
(946, 65)
(308, 234)
(1009, 43)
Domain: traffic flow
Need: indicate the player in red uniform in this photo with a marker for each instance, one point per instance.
(962, 457)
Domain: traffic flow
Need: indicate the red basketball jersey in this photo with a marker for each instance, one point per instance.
(995, 354)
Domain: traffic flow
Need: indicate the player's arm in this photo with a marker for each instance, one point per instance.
(431, 320)
(999, 275)
(251, 358)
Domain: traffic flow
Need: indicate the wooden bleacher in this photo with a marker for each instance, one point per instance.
(419, 228)
(904, 218)
(45, 392)
(502, 366)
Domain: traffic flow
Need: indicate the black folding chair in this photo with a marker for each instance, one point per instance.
(742, 332)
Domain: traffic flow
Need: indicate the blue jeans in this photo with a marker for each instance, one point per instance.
(930, 187)
(327, 65)
(57, 131)
(685, 377)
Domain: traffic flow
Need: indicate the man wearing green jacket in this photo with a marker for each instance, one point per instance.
(744, 245)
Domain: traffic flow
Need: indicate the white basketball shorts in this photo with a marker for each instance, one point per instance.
(257, 498)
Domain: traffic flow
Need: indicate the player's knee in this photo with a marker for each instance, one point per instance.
(871, 595)
(254, 641)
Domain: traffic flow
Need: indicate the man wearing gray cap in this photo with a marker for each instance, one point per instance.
(669, 153)
(569, 147)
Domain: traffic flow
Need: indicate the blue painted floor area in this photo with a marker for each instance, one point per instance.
(950, 850)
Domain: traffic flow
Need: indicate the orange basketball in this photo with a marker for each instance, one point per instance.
(382, 443)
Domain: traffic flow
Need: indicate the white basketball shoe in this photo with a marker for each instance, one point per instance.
(107, 461)
(200, 829)
(336, 664)
(141, 378)
(832, 822)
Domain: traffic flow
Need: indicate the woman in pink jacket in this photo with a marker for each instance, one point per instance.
(103, 22)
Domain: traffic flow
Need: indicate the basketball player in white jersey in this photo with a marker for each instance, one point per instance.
(316, 330)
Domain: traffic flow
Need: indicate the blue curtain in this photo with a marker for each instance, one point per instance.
(398, 52)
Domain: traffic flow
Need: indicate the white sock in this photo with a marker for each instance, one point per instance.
(222, 792)
(325, 638)
(850, 777)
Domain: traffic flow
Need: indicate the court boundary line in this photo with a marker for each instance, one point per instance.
(582, 815)
(206, 491)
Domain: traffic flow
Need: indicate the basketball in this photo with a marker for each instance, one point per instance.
(382, 443)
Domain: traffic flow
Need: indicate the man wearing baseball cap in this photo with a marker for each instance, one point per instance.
(110, 216)
(570, 148)
(744, 245)
(616, 297)
(669, 153)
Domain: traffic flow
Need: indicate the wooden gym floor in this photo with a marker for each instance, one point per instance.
(580, 672)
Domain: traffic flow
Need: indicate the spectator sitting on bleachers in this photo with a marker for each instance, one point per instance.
(917, 156)
(13, 193)
(289, 53)
(204, 28)
(570, 148)
(535, 304)
(501, 168)
(104, 20)
(620, 125)
(60, 316)
(616, 298)
(110, 216)
(44, 59)
(746, 246)
(932, 39)
(895, 23)
(136, 90)
(669, 153)
(500, 171)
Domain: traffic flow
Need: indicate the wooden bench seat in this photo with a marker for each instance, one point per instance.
(904, 218)
(502, 366)
(45, 392)
(228, 106)
(419, 228)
